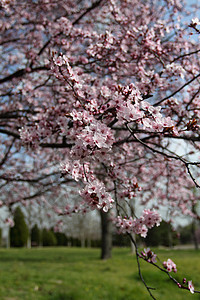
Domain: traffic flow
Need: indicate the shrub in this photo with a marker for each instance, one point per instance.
(48, 238)
(19, 232)
(61, 239)
(162, 235)
(36, 236)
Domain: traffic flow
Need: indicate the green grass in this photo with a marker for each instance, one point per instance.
(79, 274)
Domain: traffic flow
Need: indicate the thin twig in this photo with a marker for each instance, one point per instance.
(174, 93)
(168, 156)
(139, 268)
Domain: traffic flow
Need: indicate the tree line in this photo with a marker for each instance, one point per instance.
(21, 236)
(164, 235)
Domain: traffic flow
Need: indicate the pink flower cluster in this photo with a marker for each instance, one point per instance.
(95, 195)
(105, 43)
(93, 137)
(189, 285)
(67, 74)
(96, 135)
(129, 112)
(169, 265)
(148, 255)
(131, 107)
(60, 60)
(139, 226)
(151, 218)
(175, 69)
(81, 118)
(128, 109)
(29, 136)
(75, 169)
(153, 119)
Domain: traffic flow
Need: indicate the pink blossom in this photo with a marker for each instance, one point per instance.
(191, 286)
(10, 222)
(149, 255)
(151, 218)
(140, 225)
(96, 196)
(170, 265)
(195, 21)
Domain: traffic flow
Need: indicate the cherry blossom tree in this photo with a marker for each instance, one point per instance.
(102, 92)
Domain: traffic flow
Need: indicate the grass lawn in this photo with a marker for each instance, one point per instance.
(79, 274)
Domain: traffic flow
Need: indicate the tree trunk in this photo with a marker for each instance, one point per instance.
(29, 241)
(82, 242)
(132, 245)
(88, 243)
(8, 239)
(170, 236)
(194, 237)
(106, 235)
(193, 229)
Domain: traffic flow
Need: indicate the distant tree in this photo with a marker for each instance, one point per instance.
(185, 234)
(36, 237)
(95, 244)
(189, 234)
(163, 235)
(198, 235)
(48, 238)
(120, 240)
(194, 228)
(61, 239)
(19, 232)
(106, 235)
(75, 242)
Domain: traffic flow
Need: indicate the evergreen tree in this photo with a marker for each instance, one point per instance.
(0, 236)
(48, 238)
(161, 235)
(186, 234)
(61, 239)
(19, 232)
(36, 236)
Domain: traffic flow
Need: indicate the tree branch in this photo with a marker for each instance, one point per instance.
(174, 93)
(21, 72)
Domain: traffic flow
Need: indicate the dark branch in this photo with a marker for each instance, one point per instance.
(93, 6)
(21, 72)
(5, 131)
(139, 268)
(174, 93)
(7, 153)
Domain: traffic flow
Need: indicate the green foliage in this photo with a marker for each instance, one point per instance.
(76, 242)
(36, 236)
(61, 239)
(19, 232)
(186, 234)
(96, 243)
(0, 236)
(120, 240)
(48, 238)
(161, 235)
